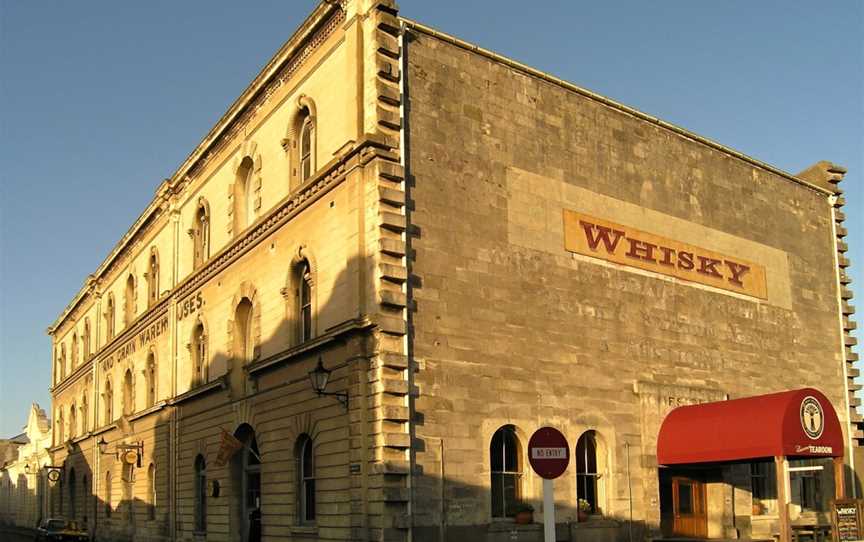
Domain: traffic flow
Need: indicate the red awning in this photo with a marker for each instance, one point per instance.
(797, 423)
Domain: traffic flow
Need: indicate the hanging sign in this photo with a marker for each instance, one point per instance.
(227, 448)
(548, 452)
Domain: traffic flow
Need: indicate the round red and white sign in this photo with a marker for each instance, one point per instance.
(548, 452)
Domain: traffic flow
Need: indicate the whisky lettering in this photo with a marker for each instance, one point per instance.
(628, 246)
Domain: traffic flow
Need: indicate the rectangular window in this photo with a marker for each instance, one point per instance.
(763, 483)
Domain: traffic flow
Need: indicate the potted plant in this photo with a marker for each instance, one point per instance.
(584, 510)
(524, 514)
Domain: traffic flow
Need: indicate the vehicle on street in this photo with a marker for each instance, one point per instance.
(60, 529)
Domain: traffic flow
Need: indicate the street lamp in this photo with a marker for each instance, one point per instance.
(103, 446)
(319, 376)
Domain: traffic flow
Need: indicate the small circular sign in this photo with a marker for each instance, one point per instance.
(53, 475)
(812, 417)
(548, 453)
(130, 457)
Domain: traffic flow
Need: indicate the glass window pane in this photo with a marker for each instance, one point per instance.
(685, 498)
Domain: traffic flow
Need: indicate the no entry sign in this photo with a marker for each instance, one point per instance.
(548, 453)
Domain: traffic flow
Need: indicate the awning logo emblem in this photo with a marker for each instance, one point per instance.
(812, 417)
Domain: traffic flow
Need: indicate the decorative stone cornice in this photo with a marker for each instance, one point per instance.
(315, 29)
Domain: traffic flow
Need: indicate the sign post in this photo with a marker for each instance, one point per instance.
(549, 454)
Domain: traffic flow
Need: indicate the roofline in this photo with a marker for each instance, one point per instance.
(173, 184)
(414, 25)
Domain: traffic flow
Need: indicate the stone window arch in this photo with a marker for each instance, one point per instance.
(151, 378)
(85, 426)
(108, 492)
(61, 436)
(128, 393)
(85, 339)
(244, 336)
(108, 403)
(152, 277)
(245, 192)
(199, 353)
(151, 492)
(200, 233)
(506, 462)
(74, 351)
(301, 296)
(591, 468)
(129, 295)
(62, 361)
(304, 453)
(110, 317)
(200, 494)
(73, 490)
(301, 141)
(73, 421)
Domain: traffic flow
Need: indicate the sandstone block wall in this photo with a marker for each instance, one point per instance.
(511, 328)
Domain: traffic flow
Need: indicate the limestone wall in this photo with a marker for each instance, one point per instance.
(509, 327)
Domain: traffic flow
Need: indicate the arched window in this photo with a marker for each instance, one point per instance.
(61, 437)
(307, 144)
(73, 421)
(85, 426)
(246, 467)
(201, 234)
(150, 377)
(108, 491)
(74, 350)
(243, 196)
(151, 491)
(128, 394)
(243, 328)
(127, 479)
(588, 471)
(200, 494)
(199, 355)
(153, 278)
(305, 479)
(87, 492)
(58, 371)
(243, 346)
(506, 464)
(73, 488)
(62, 361)
(85, 340)
(129, 304)
(108, 403)
(110, 317)
(304, 300)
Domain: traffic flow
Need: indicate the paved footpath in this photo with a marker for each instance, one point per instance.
(14, 536)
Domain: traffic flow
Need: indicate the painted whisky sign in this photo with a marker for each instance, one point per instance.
(628, 246)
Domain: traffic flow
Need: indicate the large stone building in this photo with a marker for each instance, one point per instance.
(474, 249)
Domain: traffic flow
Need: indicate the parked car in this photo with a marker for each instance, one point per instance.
(60, 529)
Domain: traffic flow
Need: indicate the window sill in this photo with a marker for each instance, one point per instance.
(303, 529)
(506, 525)
(596, 522)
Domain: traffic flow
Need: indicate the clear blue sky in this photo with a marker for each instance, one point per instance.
(102, 100)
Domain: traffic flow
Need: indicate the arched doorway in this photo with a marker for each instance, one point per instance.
(246, 466)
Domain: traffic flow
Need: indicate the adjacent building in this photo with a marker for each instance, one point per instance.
(394, 258)
(24, 473)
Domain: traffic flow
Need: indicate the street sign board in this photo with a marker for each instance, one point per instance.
(548, 452)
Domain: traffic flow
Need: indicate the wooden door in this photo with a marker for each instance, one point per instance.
(688, 507)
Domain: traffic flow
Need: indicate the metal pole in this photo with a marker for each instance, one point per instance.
(548, 511)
